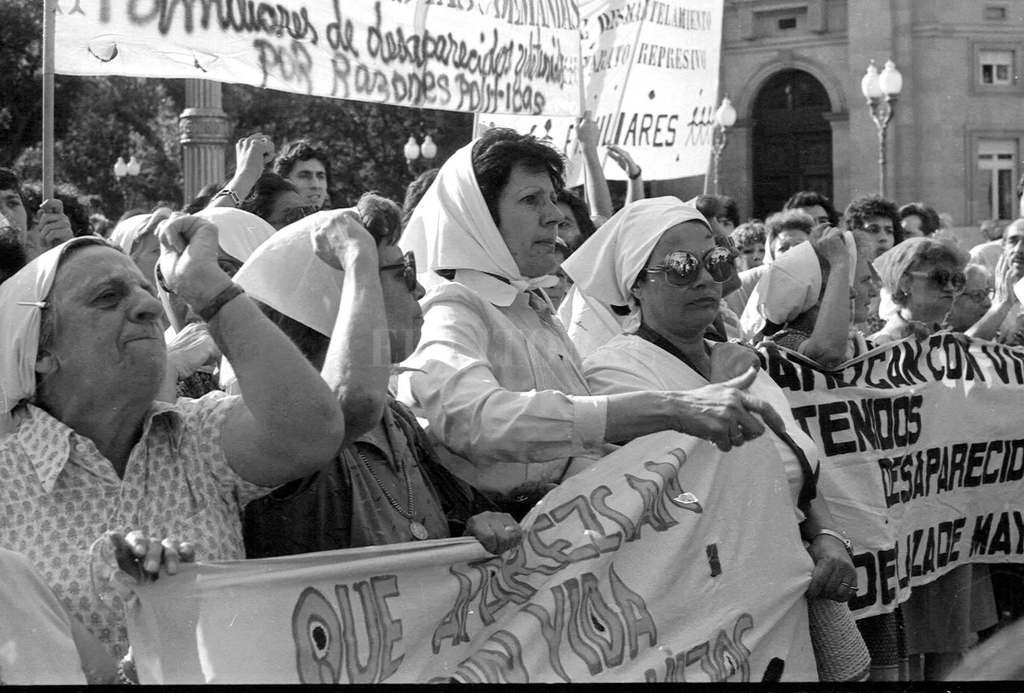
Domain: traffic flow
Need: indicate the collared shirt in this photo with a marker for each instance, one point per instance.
(58, 494)
(343, 506)
(501, 386)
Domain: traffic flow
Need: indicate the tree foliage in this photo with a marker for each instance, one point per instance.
(98, 119)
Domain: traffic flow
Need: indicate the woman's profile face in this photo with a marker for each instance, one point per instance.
(528, 219)
(679, 310)
(928, 300)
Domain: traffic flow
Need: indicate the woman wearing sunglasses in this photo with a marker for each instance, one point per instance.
(496, 376)
(925, 276)
(658, 259)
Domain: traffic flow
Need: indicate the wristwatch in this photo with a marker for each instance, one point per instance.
(847, 544)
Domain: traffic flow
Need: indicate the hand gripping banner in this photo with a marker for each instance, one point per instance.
(667, 561)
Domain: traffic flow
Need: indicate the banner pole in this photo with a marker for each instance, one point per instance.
(49, 22)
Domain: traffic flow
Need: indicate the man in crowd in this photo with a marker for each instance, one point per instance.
(988, 253)
(877, 220)
(308, 168)
(18, 242)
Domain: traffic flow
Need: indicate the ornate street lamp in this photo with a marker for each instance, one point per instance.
(416, 153)
(881, 91)
(124, 171)
(725, 118)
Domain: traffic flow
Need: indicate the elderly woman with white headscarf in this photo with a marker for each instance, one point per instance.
(495, 375)
(658, 259)
(91, 451)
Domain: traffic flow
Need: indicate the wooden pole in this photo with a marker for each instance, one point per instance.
(49, 21)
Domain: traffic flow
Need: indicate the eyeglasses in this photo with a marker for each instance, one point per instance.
(408, 267)
(980, 296)
(682, 268)
(941, 278)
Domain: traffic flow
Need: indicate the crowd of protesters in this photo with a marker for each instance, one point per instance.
(210, 383)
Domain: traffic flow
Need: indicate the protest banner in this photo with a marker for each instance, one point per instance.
(650, 71)
(922, 456)
(491, 56)
(667, 561)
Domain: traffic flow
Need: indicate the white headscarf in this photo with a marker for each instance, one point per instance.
(239, 233)
(606, 266)
(452, 229)
(22, 299)
(285, 273)
(127, 231)
(789, 287)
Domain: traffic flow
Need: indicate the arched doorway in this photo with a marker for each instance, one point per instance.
(792, 141)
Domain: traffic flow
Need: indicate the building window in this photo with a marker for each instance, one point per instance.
(995, 13)
(996, 67)
(787, 23)
(997, 163)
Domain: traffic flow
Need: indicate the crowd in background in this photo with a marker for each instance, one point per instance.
(220, 382)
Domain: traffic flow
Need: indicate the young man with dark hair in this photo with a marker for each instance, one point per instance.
(308, 168)
(875, 218)
(19, 243)
(815, 204)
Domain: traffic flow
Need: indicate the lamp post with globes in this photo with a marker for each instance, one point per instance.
(725, 118)
(881, 91)
(125, 171)
(415, 153)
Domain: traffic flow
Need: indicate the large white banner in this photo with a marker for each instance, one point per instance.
(651, 84)
(923, 456)
(486, 56)
(668, 561)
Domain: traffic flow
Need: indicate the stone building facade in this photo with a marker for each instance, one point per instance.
(792, 69)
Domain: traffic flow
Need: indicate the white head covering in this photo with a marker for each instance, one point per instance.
(239, 233)
(285, 273)
(22, 298)
(452, 229)
(127, 231)
(789, 287)
(606, 266)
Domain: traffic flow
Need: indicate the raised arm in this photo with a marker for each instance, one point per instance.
(596, 186)
(827, 343)
(634, 174)
(358, 362)
(288, 423)
(252, 154)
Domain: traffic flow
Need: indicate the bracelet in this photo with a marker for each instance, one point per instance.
(211, 309)
(847, 544)
(634, 176)
(161, 283)
(126, 673)
(228, 192)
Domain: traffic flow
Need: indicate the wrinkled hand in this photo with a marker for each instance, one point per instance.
(834, 576)
(587, 132)
(1011, 274)
(254, 152)
(829, 243)
(339, 238)
(498, 532)
(621, 157)
(144, 557)
(188, 259)
(729, 360)
(725, 413)
(52, 227)
(191, 348)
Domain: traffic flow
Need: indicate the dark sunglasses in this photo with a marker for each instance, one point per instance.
(682, 268)
(941, 278)
(408, 267)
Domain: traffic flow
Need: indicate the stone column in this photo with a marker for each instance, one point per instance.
(204, 130)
